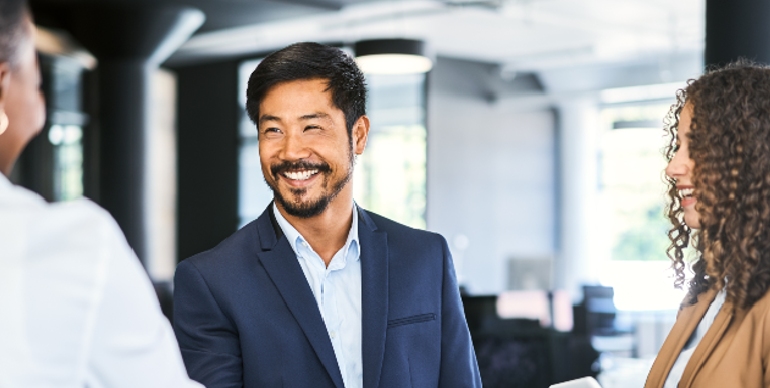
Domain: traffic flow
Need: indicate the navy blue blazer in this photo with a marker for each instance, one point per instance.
(244, 314)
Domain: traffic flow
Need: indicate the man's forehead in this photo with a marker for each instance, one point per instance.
(300, 99)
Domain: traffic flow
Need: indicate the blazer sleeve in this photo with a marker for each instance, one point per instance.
(207, 337)
(458, 359)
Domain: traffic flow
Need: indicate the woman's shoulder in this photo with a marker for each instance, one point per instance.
(80, 230)
(77, 217)
(762, 306)
(24, 204)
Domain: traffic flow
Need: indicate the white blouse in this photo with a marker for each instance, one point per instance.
(76, 307)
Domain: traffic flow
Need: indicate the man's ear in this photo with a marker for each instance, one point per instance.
(360, 134)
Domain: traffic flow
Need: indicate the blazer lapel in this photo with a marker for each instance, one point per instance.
(707, 344)
(374, 297)
(280, 263)
(685, 325)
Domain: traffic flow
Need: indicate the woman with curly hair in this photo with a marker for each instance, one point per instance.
(719, 187)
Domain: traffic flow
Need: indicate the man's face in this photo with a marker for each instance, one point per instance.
(304, 148)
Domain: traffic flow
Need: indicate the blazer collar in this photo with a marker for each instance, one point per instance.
(374, 297)
(279, 260)
(709, 341)
(687, 321)
(270, 232)
(280, 263)
(267, 229)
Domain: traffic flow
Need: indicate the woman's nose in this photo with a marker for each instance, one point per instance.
(676, 166)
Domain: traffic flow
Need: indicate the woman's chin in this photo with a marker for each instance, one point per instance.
(692, 222)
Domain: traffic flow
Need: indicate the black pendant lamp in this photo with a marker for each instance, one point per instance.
(392, 56)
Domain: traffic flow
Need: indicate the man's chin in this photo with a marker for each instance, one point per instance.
(303, 208)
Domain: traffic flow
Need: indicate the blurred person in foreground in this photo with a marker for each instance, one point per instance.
(719, 177)
(76, 307)
(318, 292)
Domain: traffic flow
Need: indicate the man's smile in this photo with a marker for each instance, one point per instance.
(301, 175)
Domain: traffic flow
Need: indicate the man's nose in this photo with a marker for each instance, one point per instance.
(294, 147)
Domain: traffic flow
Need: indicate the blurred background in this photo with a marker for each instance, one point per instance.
(533, 144)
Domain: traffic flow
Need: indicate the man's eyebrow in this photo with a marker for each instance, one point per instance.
(317, 115)
(266, 118)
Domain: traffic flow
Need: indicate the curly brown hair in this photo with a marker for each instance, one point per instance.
(729, 142)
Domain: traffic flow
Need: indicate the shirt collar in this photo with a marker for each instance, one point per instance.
(295, 238)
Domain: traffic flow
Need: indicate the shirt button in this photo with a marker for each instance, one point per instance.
(304, 244)
(333, 334)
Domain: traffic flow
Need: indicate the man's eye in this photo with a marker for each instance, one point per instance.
(272, 130)
(310, 127)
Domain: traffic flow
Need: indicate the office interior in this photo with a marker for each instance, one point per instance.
(533, 145)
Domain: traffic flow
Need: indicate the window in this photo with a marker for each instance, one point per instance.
(390, 177)
(632, 193)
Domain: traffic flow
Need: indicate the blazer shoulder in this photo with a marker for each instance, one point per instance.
(761, 309)
(236, 246)
(397, 230)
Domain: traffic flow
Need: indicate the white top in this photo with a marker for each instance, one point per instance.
(76, 307)
(681, 362)
(337, 290)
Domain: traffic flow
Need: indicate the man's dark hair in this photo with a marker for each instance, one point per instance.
(307, 60)
(13, 13)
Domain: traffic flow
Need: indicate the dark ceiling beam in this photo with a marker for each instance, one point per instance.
(735, 29)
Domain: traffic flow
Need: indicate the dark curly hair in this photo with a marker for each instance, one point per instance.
(309, 60)
(13, 13)
(729, 143)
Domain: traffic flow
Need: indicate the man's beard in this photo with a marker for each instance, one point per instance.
(311, 207)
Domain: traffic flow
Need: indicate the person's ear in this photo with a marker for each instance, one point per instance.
(360, 134)
(5, 82)
(5, 79)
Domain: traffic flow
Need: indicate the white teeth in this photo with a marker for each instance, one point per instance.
(300, 175)
(685, 192)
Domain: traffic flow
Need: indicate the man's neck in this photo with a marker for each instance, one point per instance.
(327, 232)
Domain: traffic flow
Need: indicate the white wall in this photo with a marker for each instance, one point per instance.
(491, 184)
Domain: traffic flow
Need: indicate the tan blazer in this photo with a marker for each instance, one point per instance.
(734, 352)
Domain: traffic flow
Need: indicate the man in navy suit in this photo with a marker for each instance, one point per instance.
(318, 292)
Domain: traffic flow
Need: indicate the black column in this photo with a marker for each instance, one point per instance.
(129, 40)
(737, 28)
(122, 89)
(208, 118)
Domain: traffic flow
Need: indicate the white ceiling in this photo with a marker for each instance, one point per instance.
(519, 35)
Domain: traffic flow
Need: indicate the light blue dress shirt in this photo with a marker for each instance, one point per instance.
(337, 291)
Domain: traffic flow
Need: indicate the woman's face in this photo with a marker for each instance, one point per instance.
(680, 169)
(21, 100)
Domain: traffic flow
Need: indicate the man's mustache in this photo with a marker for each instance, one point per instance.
(285, 166)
